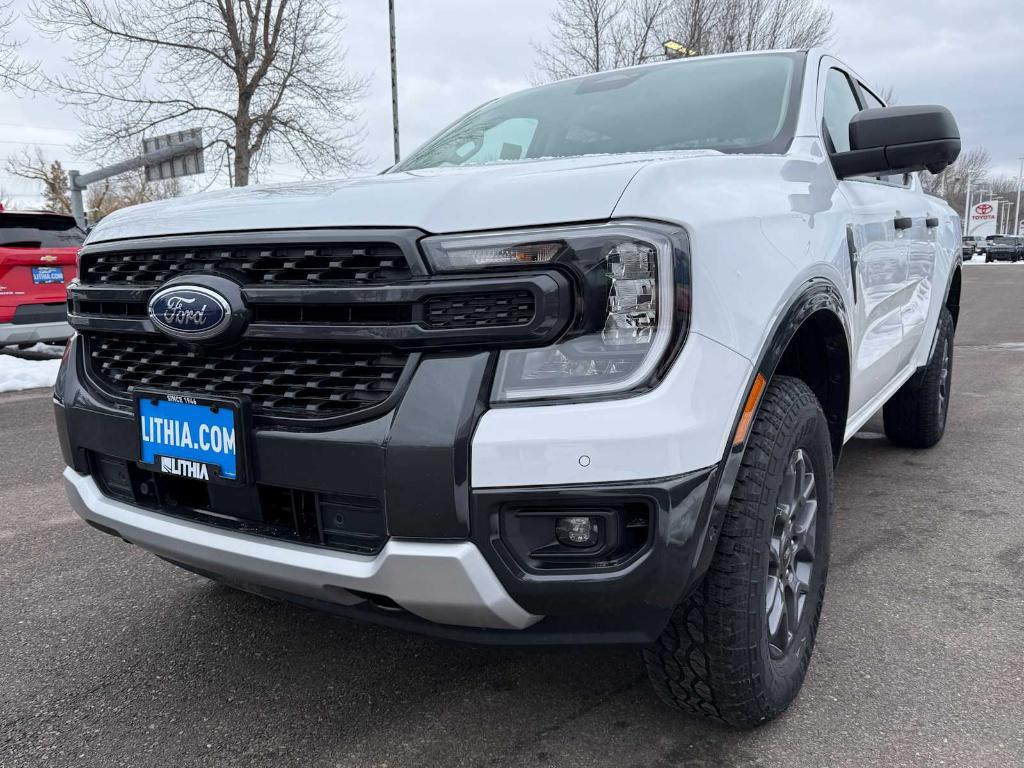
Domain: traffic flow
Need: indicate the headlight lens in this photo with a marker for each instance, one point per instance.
(632, 301)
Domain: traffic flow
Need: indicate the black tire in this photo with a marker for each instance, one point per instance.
(915, 417)
(715, 657)
(988, 259)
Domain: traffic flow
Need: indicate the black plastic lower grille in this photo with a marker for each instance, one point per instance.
(282, 379)
(349, 523)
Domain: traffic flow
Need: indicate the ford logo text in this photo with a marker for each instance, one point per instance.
(189, 313)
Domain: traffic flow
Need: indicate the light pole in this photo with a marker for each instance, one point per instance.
(1016, 211)
(967, 208)
(394, 77)
(999, 212)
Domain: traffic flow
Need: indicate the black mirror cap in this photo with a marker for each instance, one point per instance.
(900, 140)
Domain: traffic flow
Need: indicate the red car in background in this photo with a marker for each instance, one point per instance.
(37, 259)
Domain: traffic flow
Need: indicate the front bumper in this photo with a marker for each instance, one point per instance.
(999, 254)
(445, 567)
(11, 333)
(443, 582)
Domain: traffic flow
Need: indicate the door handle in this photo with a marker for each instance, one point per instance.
(903, 222)
(931, 222)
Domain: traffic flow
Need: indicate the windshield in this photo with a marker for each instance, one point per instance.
(35, 230)
(731, 104)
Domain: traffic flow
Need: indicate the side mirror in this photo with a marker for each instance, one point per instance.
(899, 140)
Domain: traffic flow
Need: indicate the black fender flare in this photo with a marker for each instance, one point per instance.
(816, 294)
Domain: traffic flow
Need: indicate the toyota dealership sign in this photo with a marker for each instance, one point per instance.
(983, 218)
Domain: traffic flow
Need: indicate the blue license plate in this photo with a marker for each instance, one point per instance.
(41, 275)
(188, 437)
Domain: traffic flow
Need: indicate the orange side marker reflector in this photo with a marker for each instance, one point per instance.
(748, 410)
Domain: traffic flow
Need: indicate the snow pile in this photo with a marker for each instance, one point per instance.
(19, 373)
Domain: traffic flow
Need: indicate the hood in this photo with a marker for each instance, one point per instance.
(437, 200)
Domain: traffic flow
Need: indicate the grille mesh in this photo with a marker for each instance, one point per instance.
(481, 310)
(282, 379)
(263, 264)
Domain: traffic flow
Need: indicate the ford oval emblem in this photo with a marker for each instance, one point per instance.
(189, 312)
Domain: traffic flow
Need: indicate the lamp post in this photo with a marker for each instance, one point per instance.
(999, 212)
(394, 77)
(967, 208)
(1016, 210)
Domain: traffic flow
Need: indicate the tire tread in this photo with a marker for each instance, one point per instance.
(708, 660)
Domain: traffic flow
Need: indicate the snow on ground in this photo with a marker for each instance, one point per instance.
(29, 369)
(979, 261)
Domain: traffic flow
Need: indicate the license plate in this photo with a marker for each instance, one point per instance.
(43, 275)
(190, 437)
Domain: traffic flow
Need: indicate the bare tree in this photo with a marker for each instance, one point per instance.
(51, 176)
(15, 72)
(727, 26)
(118, 192)
(127, 189)
(951, 184)
(638, 35)
(265, 79)
(596, 35)
(888, 95)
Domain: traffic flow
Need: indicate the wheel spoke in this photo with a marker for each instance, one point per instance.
(800, 579)
(791, 552)
(778, 625)
(775, 553)
(807, 487)
(793, 605)
(806, 538)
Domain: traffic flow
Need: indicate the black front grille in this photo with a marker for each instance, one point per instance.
(282, 379)
(315, 264)
(481, 310)
(332, 314)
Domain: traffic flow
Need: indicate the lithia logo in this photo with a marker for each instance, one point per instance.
(189, 312)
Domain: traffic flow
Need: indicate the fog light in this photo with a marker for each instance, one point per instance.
(577, 531)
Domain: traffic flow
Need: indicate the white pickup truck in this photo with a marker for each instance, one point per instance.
(578, 370)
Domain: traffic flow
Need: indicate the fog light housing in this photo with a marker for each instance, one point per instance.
(578, 531)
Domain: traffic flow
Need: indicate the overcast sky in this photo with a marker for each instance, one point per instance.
(455, 54)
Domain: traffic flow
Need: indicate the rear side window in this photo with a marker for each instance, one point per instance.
(32, 230)
(840, 107)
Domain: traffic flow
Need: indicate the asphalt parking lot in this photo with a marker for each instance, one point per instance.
(110, 657)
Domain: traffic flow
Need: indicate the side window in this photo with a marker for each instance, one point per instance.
(873, 102)
(840, 106)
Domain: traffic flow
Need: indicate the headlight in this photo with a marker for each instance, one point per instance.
(632, 291)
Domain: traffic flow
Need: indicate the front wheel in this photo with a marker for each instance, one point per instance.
(737, 649)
